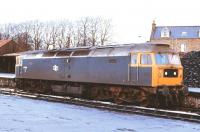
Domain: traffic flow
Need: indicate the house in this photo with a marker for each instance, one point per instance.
(7, 46)
(180, 38)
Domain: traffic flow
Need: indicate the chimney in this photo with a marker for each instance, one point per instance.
(153, 29)
(154, 25)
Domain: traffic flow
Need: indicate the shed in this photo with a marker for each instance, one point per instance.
(7, 46)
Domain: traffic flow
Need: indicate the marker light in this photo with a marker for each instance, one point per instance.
(165, 73)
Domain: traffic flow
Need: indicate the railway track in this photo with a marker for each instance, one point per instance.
(178, 115)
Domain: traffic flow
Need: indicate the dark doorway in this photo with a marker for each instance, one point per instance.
(7, 64)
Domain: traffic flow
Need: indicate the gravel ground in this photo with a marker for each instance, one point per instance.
(19, 114)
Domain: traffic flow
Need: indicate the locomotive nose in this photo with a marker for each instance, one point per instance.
(170, 76)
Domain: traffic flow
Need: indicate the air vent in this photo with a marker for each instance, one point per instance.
(81, 53)
(112, 61)
(49, 54)
(64, 53)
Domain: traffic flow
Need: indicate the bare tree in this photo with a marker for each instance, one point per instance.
(105, 31)
(58, 34)
(46, 36)
(93, 31)
(70, 34)
(77, 36)
(5, 31)
(62, 38)
(36, 33)
(54, 35)
(84, 24)
(23, 36)
(82, 31)
(66, 33)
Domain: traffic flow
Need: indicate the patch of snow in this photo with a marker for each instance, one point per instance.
(179, 112)
(7, 75)
(20, 114)
(194, 90)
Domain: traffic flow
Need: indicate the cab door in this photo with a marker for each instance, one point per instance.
(62, 64)
(133, 69)
(145, 69)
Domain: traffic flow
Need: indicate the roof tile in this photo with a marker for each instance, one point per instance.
(178, 31)
(4, 42)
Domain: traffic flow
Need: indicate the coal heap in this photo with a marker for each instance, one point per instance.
(191, 65)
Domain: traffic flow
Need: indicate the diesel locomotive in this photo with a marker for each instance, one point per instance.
(145, 74)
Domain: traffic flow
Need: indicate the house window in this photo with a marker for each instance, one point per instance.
(183, 47)
(184, 34)
(165, 32)
(199, 33)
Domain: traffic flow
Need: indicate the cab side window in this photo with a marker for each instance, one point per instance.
(134, 59)
(146, 59)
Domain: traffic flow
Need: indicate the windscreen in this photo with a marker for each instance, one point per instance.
(167, 58)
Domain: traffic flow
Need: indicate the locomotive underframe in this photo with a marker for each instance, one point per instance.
(137, 95)
(144, 96)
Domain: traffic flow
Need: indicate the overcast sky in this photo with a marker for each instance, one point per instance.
(130, 18)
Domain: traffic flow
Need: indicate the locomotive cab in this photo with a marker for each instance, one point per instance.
(168, 70)
(155, 69)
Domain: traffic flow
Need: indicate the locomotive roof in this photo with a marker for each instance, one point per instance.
(109, 50)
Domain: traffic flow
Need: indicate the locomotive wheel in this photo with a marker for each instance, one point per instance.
(174, 101)
(45, 87)
(103, 94)
(27, 86)
(99, 93)
(143, 99)
(34, 86)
